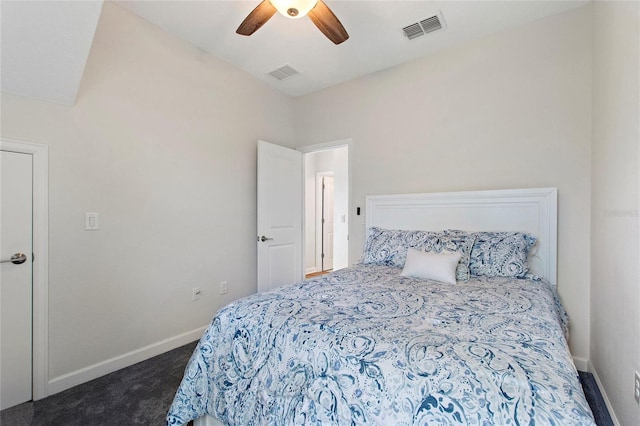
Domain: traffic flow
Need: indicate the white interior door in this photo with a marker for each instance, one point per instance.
(327, 223)
(16, 216)
(279, 216)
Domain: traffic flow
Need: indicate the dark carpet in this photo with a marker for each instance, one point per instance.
(141, 395)
(137, 395)
(595, 400)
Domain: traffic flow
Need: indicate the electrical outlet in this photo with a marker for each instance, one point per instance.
(195, 293)
(637, 388)
(224, 287)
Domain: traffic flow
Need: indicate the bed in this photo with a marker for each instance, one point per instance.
(387, 342)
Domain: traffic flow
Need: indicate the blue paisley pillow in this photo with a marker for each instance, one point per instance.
(500, 254)
(389, 246)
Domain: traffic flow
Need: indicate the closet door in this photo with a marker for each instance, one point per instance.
(16, 215)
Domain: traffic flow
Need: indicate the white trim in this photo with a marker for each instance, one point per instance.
(310, 271)
(318, 215)
(102, 368)
(531, 210)
(40, 336)
(325, 146)
(582, 364)
(591, 369)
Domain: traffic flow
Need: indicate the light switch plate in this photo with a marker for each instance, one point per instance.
(91, 222)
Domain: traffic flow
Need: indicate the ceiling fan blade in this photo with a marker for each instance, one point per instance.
(257, 18)
(328, 23)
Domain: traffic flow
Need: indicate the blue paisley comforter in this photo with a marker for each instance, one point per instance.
(366, 346)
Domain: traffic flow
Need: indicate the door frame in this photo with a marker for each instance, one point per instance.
(309, 149)
(319, 205)
(40, 295)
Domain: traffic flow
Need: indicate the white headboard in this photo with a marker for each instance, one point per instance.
(526, 210)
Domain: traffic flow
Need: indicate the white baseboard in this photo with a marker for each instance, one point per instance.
(582, 364)
(69, 380)
(310, 270)
(612, 413)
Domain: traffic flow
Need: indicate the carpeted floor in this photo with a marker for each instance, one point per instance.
(137, 395)
(595, 400)
(141, 395)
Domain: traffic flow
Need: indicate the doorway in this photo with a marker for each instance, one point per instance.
(326, 207)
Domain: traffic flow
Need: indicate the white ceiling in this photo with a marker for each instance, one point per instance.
(375, 27)
(45, 45)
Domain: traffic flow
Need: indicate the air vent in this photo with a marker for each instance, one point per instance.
(413, 31)
(425, 26)
(283, 72)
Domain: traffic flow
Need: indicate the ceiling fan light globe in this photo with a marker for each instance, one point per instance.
(294, 9)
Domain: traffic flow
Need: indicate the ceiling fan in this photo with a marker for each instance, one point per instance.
(317, 10)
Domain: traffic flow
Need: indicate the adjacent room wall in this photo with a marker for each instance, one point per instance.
(162, 144)
(510, 110)
(341, 208)
(615, 278)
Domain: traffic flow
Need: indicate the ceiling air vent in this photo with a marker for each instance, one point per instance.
(283, 72)
(413, 31)
(425, 26)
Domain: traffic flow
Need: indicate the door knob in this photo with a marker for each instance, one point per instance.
(263, 239)
(17, 259)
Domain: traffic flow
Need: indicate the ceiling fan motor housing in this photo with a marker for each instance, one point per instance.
(294, 8)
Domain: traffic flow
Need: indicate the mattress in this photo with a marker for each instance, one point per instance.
(365, 345)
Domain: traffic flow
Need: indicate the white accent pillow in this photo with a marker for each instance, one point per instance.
(431, 266)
